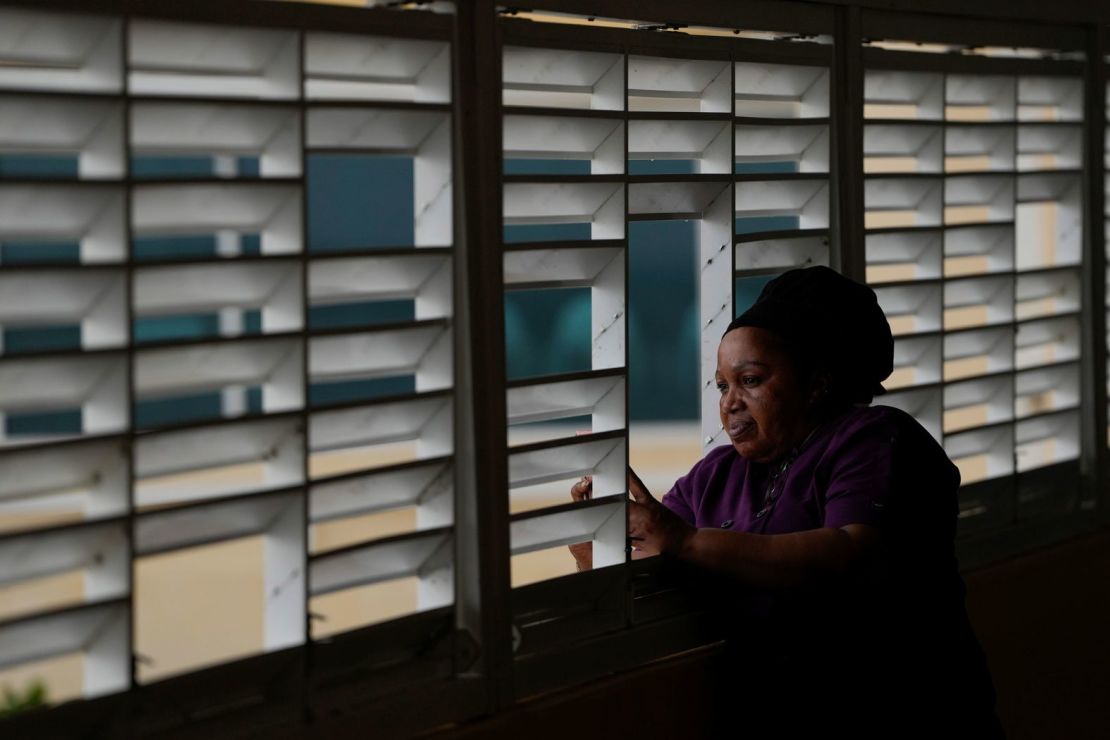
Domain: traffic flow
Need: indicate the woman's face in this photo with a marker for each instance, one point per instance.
(763, 401)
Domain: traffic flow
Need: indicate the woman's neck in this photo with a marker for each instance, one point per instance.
(809, 428)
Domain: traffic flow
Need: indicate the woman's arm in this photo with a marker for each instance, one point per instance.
(776, 562)
(794, 561)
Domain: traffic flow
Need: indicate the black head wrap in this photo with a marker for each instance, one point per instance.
(829, 321)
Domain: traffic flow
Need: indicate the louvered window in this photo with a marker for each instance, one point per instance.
(219, 365)
(974, 225)
(597, 142)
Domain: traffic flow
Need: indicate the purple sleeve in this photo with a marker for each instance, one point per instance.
(862, 477)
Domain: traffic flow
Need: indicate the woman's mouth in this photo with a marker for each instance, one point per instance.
(737, 429)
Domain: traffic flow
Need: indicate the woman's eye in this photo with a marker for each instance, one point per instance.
(722, 387)
(749, 380)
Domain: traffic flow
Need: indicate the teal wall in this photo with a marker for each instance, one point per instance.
(548, 331)
(663, 331)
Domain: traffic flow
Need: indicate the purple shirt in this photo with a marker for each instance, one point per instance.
(869, 465)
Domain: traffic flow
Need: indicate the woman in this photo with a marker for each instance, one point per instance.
(832, 523)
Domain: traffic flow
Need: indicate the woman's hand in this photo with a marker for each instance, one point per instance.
(583, 552)
(652, 527)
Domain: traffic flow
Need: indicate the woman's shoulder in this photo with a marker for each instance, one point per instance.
(720, 457)
(706, 475)
(711, 466)
(881, 420)
(890, 431)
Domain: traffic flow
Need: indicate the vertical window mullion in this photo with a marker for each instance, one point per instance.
(1095, 304)
(482, 512)
(133, 656)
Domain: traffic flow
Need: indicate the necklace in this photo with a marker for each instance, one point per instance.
(778, 476)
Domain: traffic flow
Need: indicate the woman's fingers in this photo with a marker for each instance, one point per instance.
(636, 521)
(654, 528)
(637, 488)
(582, 490)
(583, 554)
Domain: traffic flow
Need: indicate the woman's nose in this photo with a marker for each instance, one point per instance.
(732, 400)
